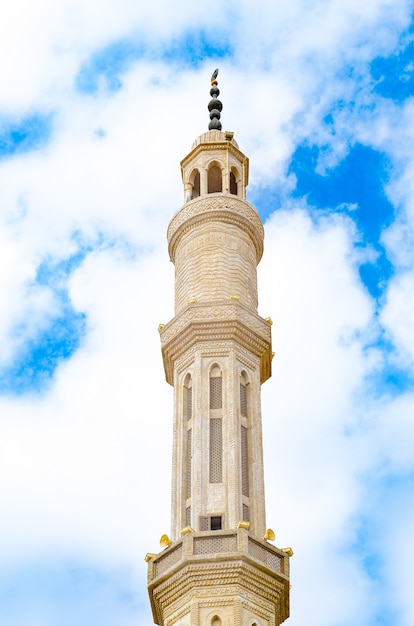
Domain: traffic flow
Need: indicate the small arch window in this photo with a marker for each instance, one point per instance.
(214, 179)
(187, 415)
(216, 621)
(244, 448)
(233, 183)
(187, 467)
(243, 394)
(216, 426)
(195, 182)
(188, 398)
(244, 439)
(215, 388)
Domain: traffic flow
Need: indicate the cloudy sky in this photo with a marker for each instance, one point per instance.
(99, 102)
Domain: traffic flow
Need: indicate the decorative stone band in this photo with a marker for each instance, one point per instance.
(222, 323)
(218, 207)
(215, 140)
(219, 560)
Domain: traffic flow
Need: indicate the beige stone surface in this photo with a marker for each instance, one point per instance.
(230, 575)
(217, 353)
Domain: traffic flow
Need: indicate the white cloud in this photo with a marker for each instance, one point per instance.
(85, 468)
(398, 314)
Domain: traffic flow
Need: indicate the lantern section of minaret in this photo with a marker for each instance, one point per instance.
(218, 568)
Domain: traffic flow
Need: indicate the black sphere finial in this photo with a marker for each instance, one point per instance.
(214, 106)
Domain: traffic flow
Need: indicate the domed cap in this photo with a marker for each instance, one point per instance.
(214, 106)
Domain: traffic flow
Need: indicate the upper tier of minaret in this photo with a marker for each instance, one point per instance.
(216, 227)
(213, 151)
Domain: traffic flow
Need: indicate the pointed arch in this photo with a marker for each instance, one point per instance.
(216, 387)
(195, 183)
(244, 381)
(188, 398)
(234, 177)
(214, 178)
(216, 425)
(187, 434)
(244, 442)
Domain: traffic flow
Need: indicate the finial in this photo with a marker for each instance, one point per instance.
(214, 106)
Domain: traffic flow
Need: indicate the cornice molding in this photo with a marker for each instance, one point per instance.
(200, 324)
(215, 145)
(226, 580)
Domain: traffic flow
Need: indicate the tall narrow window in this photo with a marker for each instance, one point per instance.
(189, 407)
(216, 621)
(244, 462)
(243, 399)
(233, 184)
(216, 450)
(187, 398)
(216, 426)
(188, 464)
(214, 180)
(216, 392)
(195, 192)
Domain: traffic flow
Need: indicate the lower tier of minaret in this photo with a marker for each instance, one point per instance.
(217, 465)
(224, 578)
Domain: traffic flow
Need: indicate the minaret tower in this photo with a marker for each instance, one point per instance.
(218, 568)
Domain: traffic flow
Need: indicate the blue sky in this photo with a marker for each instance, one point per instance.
(98, 107)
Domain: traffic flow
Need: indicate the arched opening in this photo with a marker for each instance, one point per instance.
(214, 179)
(195, 184)
(244, 442)
(233, 183)
(215, 388)
(243, 394)
(188, 398)
(187, 415)
(216, 621)
(216, 426)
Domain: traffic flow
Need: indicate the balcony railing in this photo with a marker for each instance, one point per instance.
(232, 545)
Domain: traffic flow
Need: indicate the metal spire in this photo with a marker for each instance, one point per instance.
(214, 106)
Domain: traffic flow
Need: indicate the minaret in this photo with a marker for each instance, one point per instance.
(218, 568)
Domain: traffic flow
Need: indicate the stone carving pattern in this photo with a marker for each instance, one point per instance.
(234, 263)
(253, 590)
(211, 545)
(217, 575)
(168, 560)
(265, 613)
(272, 560)
(212, 312)
(194, 615)
(209, 332)
(238, 616)
(215, 203)
(224, 217)
(246, 358)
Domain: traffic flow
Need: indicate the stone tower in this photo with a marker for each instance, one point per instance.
(218, 568)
